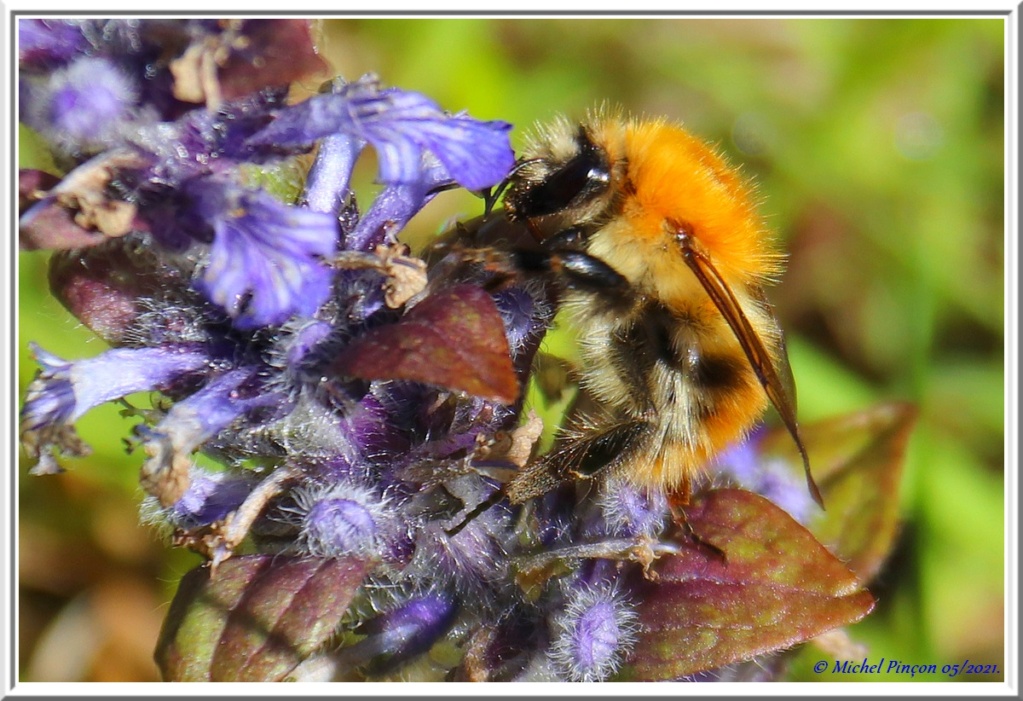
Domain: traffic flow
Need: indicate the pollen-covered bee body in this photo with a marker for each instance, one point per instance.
(663, 258)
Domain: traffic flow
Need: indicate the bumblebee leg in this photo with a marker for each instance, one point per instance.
(677, 501)
(577, 459)
(536, 568)
(484, 505)
(565, 266)
(571, 239)
(599, 449)
(572, 268)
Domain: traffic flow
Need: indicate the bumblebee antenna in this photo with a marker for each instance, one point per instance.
(490, 195)
(443, 187)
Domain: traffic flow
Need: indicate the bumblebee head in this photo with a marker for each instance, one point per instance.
(567, 175)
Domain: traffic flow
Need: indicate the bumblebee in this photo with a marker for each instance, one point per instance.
(662, 259)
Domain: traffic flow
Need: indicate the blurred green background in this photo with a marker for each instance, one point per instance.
(878, 148)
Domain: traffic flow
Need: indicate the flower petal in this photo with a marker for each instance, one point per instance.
(401, 125)
(394, 207)
(593, 633)
(191, 422)
(83, 107)
(401, 634)
(45, 43)
(768, 476)
(65, 390)
(264, 264)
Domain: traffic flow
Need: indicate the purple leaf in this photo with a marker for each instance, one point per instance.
(276, 52)
(256, 619)
(104, 287)
(776, 587)
(454, 339)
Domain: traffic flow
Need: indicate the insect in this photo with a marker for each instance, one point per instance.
(662, 258)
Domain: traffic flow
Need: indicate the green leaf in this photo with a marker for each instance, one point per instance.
(256, 619)
(776, 586)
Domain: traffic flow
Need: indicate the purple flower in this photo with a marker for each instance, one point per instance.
(265, 261)
(394, 207)
(83, 107)
(593, 633)
(342, 518)
(235, 312)
(524, 318)
(210, 497)
(204, 142)
(407, 630)
(194, 420)
(401, 126)
(63, 391)
(327, 184)
(476, 558)
(626, 510)
(305, 342)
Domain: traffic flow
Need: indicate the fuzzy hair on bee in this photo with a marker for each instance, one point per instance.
(661, 257)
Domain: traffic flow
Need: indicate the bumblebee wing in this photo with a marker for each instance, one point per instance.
(781, 353)
(785, 371)
(776, 381)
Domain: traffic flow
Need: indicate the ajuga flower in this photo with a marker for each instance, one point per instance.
(594, 632)
(63, 391)
(365, 406)
(82, 106)
(343, 518)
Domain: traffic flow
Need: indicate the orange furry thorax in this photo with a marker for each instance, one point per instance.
(675, 177)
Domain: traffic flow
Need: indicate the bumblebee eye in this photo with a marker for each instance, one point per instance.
(582, 177)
